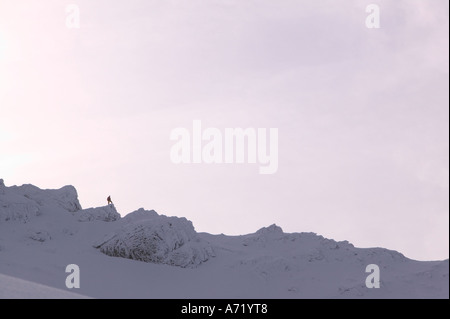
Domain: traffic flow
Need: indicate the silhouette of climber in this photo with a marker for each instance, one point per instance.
(109, 200)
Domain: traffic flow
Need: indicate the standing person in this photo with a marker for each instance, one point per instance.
(109, 200)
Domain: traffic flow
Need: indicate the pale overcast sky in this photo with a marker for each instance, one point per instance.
(362, 114)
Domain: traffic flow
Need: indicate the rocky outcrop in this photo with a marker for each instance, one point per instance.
(149, 237)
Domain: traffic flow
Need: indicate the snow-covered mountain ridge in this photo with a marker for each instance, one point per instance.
(147, 255)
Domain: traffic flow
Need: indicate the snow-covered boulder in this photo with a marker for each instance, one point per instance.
(16, 207)
(264, 235)
(24, 202)
(65, 197)
(149, 237)
(105, 213)
(140, 215)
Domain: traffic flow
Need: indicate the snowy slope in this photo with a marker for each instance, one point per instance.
(22, 289)
(147, 255)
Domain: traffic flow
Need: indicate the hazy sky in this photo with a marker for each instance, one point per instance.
(362, 114)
